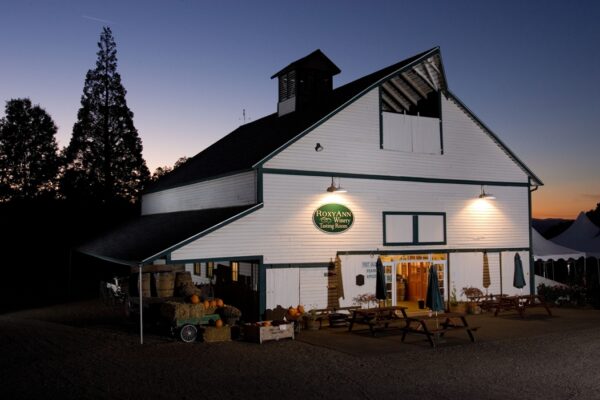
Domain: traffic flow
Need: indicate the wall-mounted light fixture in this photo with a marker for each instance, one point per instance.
(487, 196)
(318, 147)
(335, 189)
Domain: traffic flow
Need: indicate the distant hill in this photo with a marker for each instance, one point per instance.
(551, 227)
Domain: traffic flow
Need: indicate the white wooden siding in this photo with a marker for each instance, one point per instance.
(313, 287)
(351, 144)
(467, 270)
(283, 231)
(283, 287)
(228, 191)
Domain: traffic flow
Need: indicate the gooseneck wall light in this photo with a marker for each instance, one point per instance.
(335, 189)
(484, 195)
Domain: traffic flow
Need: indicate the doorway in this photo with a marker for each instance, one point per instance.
(407, 278)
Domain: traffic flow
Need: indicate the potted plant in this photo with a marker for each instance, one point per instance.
(311, 321)
(472, 294)
(455, 305)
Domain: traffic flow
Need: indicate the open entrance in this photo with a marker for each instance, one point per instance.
(236, 282)
(406, 278)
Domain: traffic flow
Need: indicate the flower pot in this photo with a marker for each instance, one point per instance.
(459, 308)
(312, 324)
(474, 308)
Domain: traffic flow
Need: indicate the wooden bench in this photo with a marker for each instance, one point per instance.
(379, 318)
(449, 322)
(520, 304)
(328, 313)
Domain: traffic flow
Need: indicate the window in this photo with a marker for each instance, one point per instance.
(210, 269)
(287, 85)
(198, 269)
(414, 228)
(235, 271)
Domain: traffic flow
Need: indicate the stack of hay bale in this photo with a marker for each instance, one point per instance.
(171, 310)
(184, 285)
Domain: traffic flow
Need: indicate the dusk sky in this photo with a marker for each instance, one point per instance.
(529, 69)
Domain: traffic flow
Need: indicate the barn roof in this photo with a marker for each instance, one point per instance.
(252, 144)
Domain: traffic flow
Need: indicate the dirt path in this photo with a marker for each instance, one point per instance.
(78, 352)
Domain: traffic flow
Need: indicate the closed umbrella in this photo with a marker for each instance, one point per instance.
(338, 275)
(486, 271)
(434, 299)
(519, 278)
(380, 281)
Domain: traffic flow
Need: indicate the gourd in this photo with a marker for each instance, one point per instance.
(219, 323)
(213, 304)
(292, 311)
(194, 299)
(220, 303)
(300, 309)
(206, 304)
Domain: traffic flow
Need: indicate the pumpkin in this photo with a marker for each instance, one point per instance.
(213, 304)
(194, 299)
(266, 323)
(220, 303)
(219, 323)
(300, 309)
(206, 304)
(292, 311)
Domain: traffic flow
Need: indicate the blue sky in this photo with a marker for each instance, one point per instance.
(529, 69)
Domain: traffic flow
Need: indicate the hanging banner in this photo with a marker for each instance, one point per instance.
(333, 218)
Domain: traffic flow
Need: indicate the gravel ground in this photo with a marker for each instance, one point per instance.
(84, 351)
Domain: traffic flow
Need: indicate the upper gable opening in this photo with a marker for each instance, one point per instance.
(410, 108)
(305, 82)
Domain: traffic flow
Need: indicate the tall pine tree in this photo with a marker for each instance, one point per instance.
(28, 152)
(104, 157)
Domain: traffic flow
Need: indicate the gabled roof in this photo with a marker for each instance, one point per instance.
(246, 146)
(315, 60)
(149, 237)
(254, 143)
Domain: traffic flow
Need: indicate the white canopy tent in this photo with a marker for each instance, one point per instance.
(583, 235)
(548, 252)
(544, 249)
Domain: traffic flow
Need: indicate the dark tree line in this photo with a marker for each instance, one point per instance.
(52, 200)
(103, 162)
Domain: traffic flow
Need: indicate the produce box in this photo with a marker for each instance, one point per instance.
(259, 334)
(214, 334)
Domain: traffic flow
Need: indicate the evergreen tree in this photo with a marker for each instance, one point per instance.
(104, 157)
(28, 151)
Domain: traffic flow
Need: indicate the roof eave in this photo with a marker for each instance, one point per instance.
(534, 178)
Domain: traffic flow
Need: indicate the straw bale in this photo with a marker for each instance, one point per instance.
(213, 334)
(196, 310)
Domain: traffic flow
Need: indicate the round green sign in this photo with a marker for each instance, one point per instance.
(333, 218)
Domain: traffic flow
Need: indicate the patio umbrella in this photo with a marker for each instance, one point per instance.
(380, 281)
(519, 278)
(338, 276)
(486, 271)
(434, 300)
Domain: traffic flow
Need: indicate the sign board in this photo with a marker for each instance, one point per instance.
(333, 218)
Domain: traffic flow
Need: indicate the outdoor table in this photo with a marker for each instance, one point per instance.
(521, 303)
(435, 327)
(379, 317)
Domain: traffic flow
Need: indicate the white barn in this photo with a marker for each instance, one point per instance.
(262, 209)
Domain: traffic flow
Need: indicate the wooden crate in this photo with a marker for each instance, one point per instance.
(213, 334)
(261, 334)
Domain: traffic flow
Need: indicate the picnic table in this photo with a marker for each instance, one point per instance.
(520, 304)
(435, 327)
(379, 317)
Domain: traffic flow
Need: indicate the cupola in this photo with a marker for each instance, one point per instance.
(305, 82)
